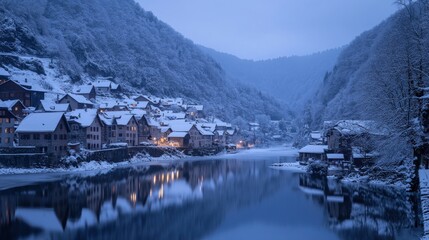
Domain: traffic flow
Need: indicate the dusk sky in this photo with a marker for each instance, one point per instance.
(267, 29)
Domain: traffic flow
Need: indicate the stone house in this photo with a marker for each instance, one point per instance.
(28, 95)
(76, 101)
(85, 128)
(120, 127)
(7, 127)
(45, 131)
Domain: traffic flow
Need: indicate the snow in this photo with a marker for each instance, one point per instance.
(424, 197)
(43, 218)
(335, 156)
(338, 199)
(312, 191)
(289, 166)
(83, 89)
(40, 122)
(177, 134)
(80, 99)
(50, 106)
(314, 149)
(85, 117)
(3, 72)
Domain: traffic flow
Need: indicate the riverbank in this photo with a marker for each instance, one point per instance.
(424, 198)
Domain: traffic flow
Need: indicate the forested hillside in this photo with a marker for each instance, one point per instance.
(383, 76)
(118, 39)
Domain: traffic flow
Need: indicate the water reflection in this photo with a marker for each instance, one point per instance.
(194, 200)
(363, 212)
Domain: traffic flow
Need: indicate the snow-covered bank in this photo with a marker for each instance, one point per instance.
(289, 166)
(424, 197)
(256, 153)
(90, 166)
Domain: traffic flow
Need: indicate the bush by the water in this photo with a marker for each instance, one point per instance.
(318, 168)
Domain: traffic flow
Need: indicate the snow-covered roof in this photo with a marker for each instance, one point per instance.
(79, 98)
(196, 107)
(313, 149)
(40, 122)
(203, 131)
(335, 156)
(9, 103)
(102, 83)
(142, 104)
(178, 134)
(120, 117)
(180, 125)
(85, 117)
(83, 89)
(49, 106)
(253, 124)
(3, 72)
(230, 132)
(114, 86)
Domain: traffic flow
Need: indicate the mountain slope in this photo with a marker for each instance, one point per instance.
(293, 80)
(118, 39)
(382, 76)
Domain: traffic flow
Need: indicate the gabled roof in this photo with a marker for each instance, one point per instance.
(314, 149)
(78, 98)
(40, 122)
(24, 86)
(118, 117)
(102, 83)
(85, 117)
(203, 131)
(178, 134)
(357, 127)
(180, 125)
(83, 89)
(10, 103)
(49, 106)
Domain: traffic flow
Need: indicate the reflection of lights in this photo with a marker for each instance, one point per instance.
(162, 177)
(150, 192)
(168, 177)
(154, 179)
(172, 176)
(177, 174)
(133, 198)
(161, 192)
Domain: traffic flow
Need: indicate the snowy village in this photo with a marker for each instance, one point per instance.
(215, 120)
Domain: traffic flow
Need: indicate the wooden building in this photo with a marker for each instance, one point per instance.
(11, 90)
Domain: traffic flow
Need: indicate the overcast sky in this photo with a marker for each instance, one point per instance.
(256, 29)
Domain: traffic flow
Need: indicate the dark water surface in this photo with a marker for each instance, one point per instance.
(238, 198)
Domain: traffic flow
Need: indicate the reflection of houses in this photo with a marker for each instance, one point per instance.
(313, 152)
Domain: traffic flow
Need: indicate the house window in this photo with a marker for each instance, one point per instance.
(7, 120)
(36, 136)
(55, 136)
(16, 109)
(48, 137)
(25, 136)
(7, 140)
(61, 126)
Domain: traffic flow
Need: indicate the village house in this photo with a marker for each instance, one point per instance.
(85, 128)
(120, 127)
(253, 126)
(29, 96)
(7, 127)
(76, 101)
(88, 91)
(312, 152)
(206, 138)
(49, 106)
(15, 106)
(45, 131)
(105, 87)
(346, 135)
(179, 139)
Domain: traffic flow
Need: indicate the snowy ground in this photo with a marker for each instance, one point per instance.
(424, 196)
(289, 166)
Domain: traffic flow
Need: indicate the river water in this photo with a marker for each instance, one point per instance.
(232, 197)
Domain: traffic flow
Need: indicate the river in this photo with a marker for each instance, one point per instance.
(236, 196)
